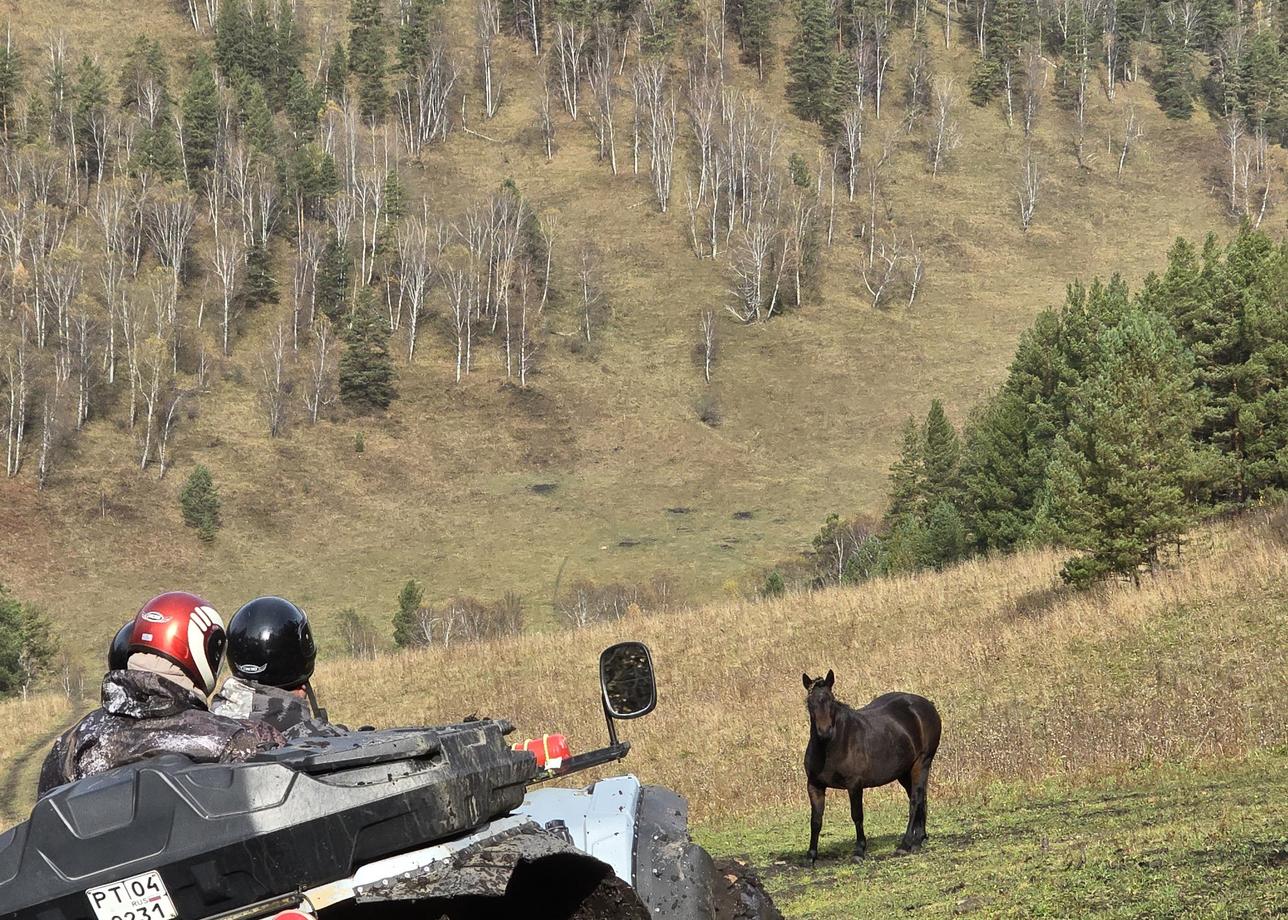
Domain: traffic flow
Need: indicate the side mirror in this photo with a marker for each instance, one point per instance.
(626, 676)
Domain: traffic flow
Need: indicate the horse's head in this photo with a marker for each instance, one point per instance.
(820, 703)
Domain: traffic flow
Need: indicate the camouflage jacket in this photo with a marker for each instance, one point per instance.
(286, 712)
(142, 715)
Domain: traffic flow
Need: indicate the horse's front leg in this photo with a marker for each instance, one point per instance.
(856, 813)
(817, 799)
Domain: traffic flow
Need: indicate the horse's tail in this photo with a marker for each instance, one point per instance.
(931, 726)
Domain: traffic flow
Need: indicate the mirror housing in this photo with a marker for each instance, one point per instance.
(627, 681)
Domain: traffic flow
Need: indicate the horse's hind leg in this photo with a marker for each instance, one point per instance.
(856, 813)
(817, 799)
(914, 783)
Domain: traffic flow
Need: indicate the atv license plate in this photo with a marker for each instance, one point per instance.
(142, 897)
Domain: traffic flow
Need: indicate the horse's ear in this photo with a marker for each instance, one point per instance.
(806, 681)
(830, 679)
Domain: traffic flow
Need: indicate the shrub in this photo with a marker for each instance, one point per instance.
(587, 603)
(774, 585)
(709, 411)
(199, 501)
(359, 636)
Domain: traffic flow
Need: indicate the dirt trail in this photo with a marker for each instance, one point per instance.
(22, 773)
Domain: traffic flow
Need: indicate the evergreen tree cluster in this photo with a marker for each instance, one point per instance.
(27, 645)
(1123, 419)
(199, 502)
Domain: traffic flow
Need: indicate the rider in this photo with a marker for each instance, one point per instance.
(118, 654)
(271, 654)
(157, 704)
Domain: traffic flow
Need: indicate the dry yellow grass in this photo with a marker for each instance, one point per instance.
(27, 727)
(1031, 680)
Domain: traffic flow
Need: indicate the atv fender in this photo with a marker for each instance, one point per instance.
(642, 833)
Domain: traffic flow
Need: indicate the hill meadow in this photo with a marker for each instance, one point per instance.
(944, 345)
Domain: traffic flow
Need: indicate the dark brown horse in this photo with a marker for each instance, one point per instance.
(894, 737)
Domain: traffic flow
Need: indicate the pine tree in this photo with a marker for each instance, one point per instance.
(90, 103)
(1227, 307)
(144, 64)
(158, 152)
(812, 64)
(337, 72)
(366, 368)
(10, 86)
(200, 120)
(406, 630)
(416, 34)
(259, 56)
(233, 38)
(1119, 474)
(199, 501)
(945, 536)
(303, 106)
(333, 281)
(367, 57)
(907, 476)
(290, 42)
(752, 21)
(940, 459)
(261, 285)
(1001, 477)
(256, 117)
(1174, 81)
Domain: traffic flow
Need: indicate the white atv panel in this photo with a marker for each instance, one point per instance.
(600, 818)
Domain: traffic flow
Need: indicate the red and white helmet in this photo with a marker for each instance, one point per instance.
(185, 630)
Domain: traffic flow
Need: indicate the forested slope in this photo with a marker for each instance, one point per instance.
(594, 446)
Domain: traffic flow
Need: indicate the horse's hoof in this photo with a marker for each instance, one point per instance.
(858, 857)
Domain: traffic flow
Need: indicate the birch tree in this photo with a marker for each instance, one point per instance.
(945, 135)
(227, 259)
(487, 26)
(321, 389)
(1029, 186)
(274, 380)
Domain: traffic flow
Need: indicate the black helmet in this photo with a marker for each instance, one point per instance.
(118, 654)
(269, 642)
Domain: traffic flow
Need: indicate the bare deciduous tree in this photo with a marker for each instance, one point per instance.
(546, 121)
(589, 271)
(570, 46)
(1029, 186)
(708, 341)
(1035, 71)
(488, 27)
(852, 140)
(661, 127)
(320, 390)
(17, 380)
(420, 246)
(604, 88)
(423, 101)
(1132, 132)
(945, 135)
(274, 380)
(227, 259)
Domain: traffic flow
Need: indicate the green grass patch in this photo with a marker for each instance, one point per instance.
(1168, 842)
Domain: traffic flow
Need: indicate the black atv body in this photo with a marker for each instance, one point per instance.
(224, 837)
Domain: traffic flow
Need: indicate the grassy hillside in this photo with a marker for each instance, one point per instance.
(1119, 752)
(1032, 680)
(444, 489)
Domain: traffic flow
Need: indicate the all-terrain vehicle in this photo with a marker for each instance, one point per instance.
(417, 822)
